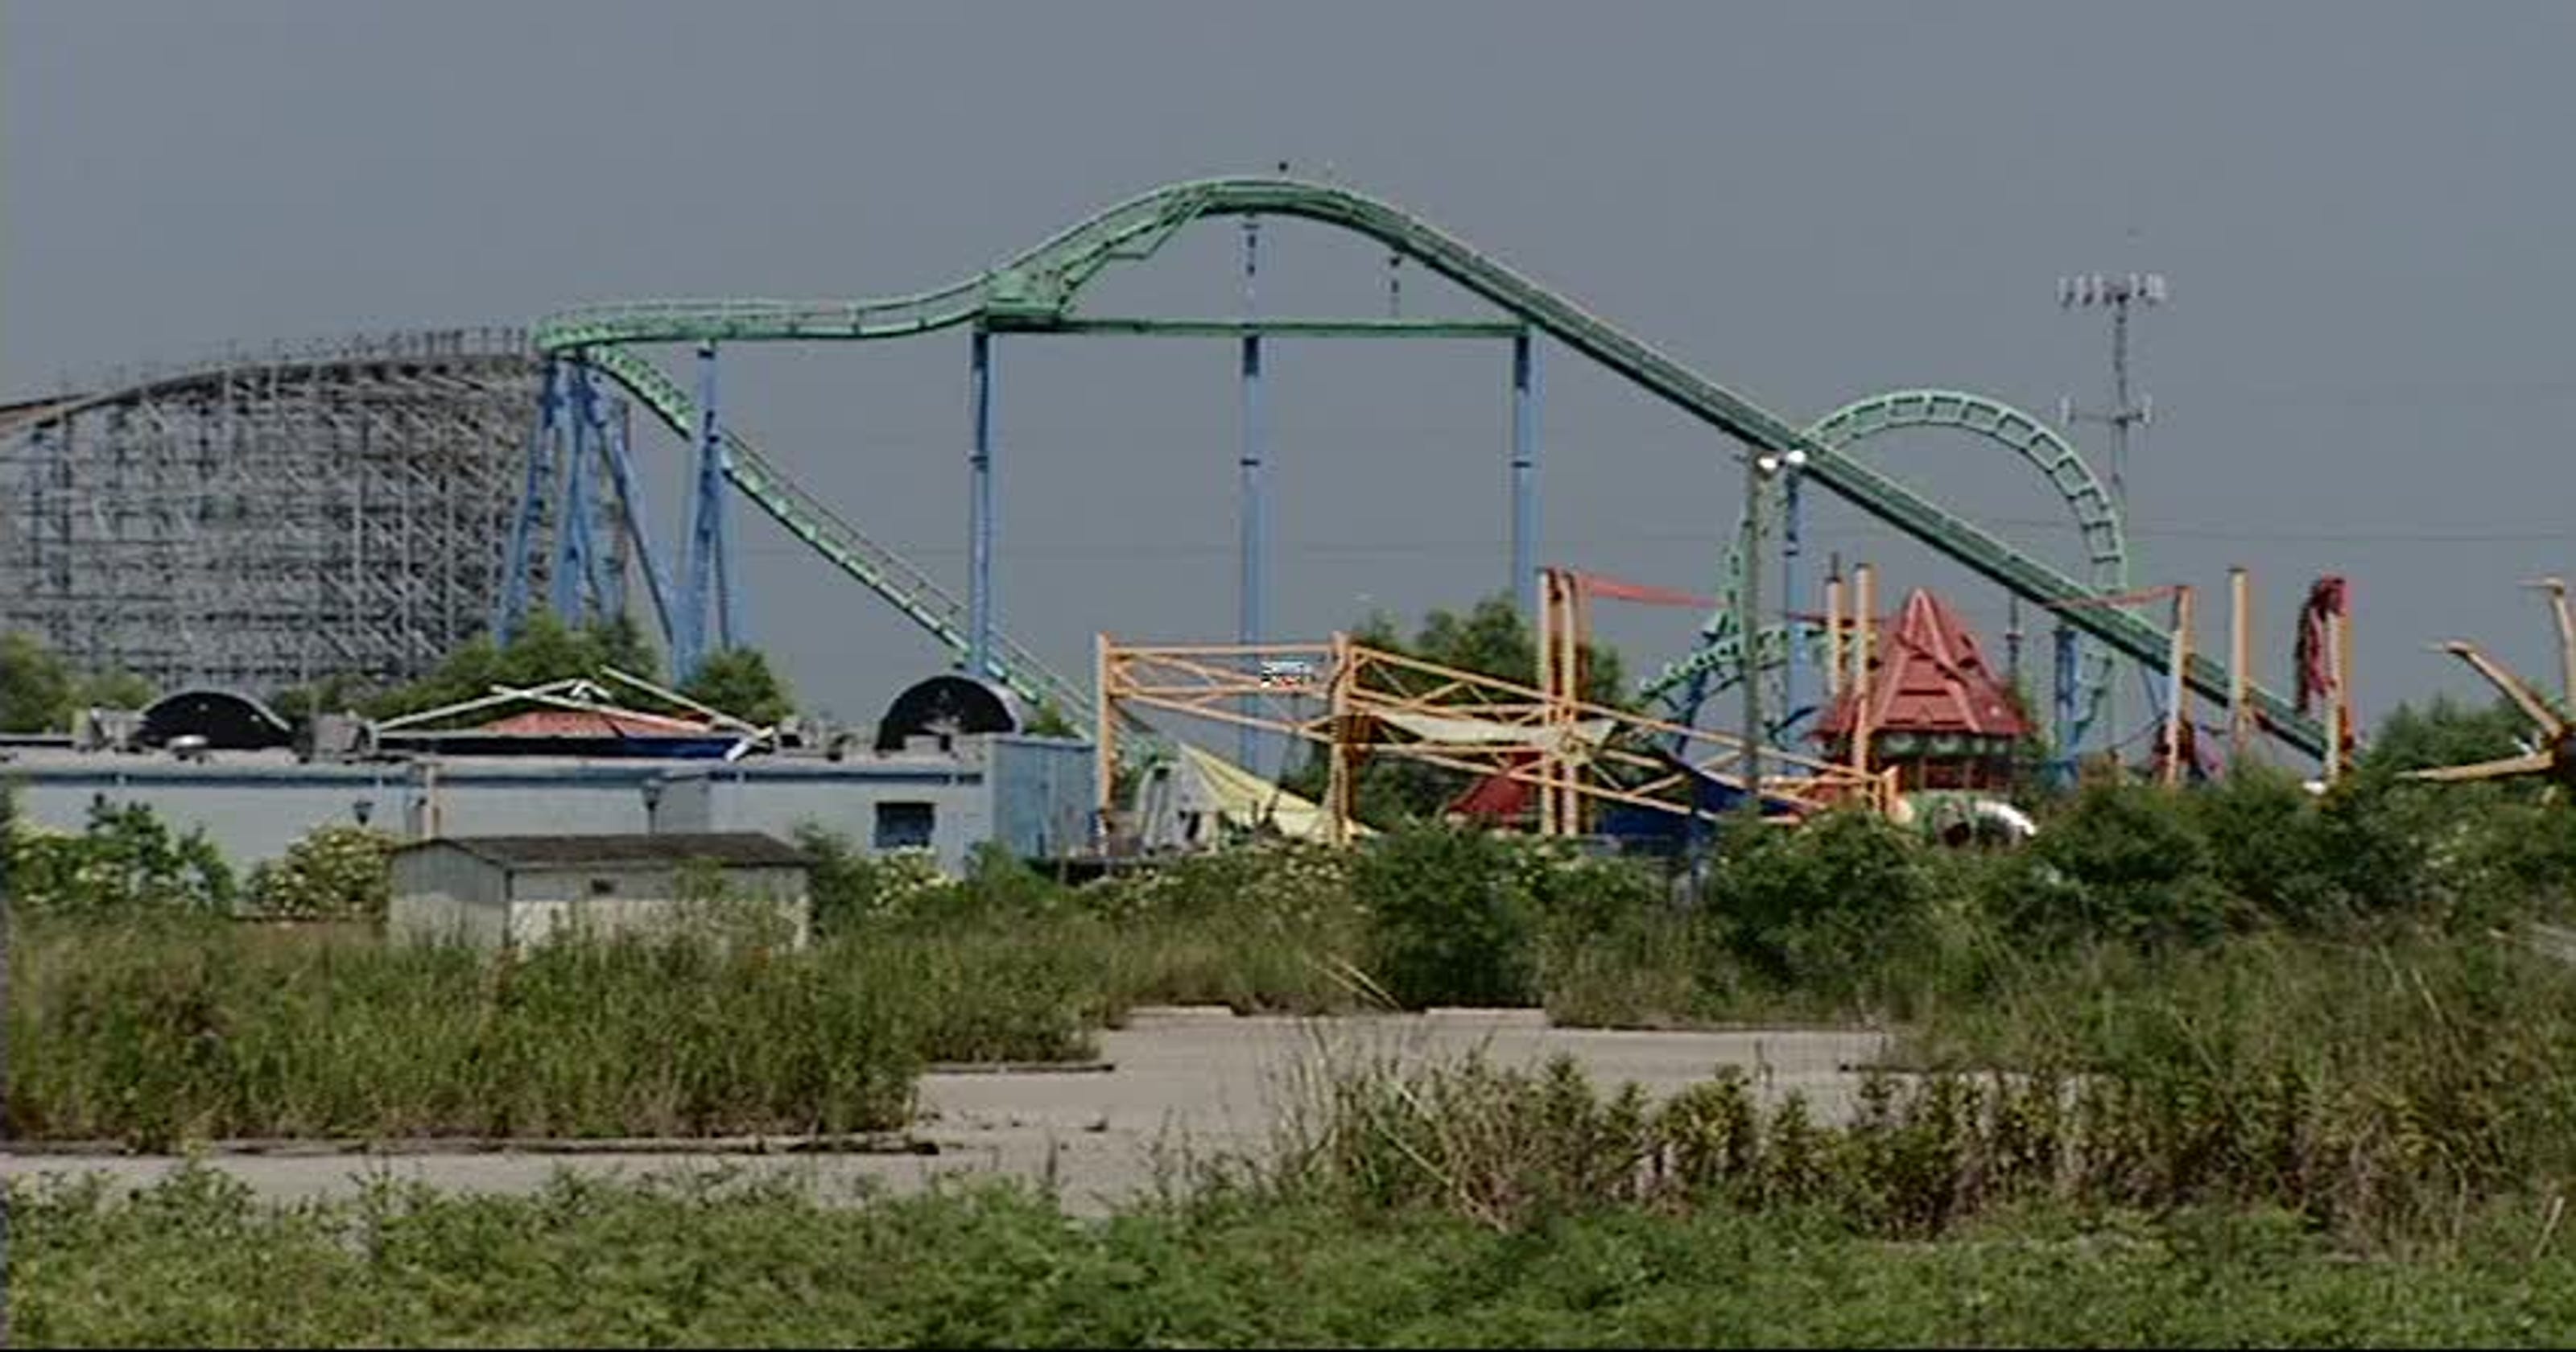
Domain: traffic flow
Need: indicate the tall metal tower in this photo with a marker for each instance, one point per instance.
(2116, 293)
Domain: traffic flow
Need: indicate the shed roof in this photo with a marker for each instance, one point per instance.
(736, 848)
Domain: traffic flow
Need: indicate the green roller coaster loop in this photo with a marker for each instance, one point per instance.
(1036, 292)
(1718, 660)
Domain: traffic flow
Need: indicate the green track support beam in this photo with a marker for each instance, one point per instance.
(1039, 288)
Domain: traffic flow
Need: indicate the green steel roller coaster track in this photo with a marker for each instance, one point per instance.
(1718, 661)
(1036, 291)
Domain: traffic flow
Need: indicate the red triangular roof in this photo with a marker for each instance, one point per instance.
(1929, 678)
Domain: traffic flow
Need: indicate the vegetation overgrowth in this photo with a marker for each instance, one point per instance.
(189, 1029)
(2249, 916)
(2243, 1064)
(197, 1261)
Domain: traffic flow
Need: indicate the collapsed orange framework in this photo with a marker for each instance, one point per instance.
(1357, 701)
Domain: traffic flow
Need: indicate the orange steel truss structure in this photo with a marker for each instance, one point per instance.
(1357, 701)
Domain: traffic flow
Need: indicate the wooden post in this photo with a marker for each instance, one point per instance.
(1578, 640)
(2557, 589)
(1834, 637)
(2336, 710)
(1551, 610)
(1340, 794)
(1864, 635)
(1104, 740)
(2240, 663)
(2344, 734)
(2177, 690)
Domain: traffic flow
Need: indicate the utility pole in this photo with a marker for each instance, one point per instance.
(2118, 294)
(1758, 470)
(1749, 626)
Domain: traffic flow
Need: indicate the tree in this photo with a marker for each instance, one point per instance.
(39, 691)
(2445, 732)
(35, 686)
(128, 862)
(114, 689)
(1492, 639)
(544, 649)
(739, 682)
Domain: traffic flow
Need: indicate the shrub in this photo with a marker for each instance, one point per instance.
(1823, 906)
(336, 873)
(851, 888)
(1276, 884)
(1451, 920)
(2136, 865)
(127, 863)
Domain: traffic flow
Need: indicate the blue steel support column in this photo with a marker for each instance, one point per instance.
(1525, 475)
(1791, 627)
(607, 427)
(630, 500)
(979, 516)
(574, 524)
(706, 521)
(728, 602)
(1252, 586)
(513, 606)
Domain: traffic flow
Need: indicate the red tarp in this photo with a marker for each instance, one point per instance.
(592, 723)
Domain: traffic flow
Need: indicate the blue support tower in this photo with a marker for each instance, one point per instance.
(574, 585)
(979, 515)
(513, 607)
(630, 505)
(611, 542)
(1525, 474)
(1252, 595)
(704, 560)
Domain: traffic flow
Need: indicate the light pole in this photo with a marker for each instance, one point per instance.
(2116, 293)
(1758, 468)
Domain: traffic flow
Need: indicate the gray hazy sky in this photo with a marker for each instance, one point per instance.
(2363, 208)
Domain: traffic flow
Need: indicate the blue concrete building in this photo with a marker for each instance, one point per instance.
(1032, 794)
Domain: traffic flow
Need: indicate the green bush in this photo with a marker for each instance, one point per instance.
(197, 1260)
(850, 888)
(2135, 864)
(1824, 906)
(127, 864)
(1452, 921)
(335, 873)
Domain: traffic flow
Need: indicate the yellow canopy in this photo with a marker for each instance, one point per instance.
(1247, 800)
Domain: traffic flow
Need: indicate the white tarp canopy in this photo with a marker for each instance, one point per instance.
(1558, 738)
(1201, 784)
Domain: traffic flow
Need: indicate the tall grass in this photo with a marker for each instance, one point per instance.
(2373, 1090)
(1269, 928)
(171, 1032)
(197, 1261)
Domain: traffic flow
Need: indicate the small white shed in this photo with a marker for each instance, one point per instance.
(497, 891)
